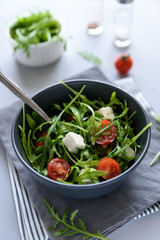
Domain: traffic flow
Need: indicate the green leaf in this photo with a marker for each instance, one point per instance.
(115, 101)
(34, 29)
(37, 118)
(82, 225)
(90, 57)
(155, 159)
(69, 233)
(86, 236)
(122, 114)
(50, 208)
(31, 122)
(73, 215)
(53, 227)
(120, 150)
(71, 228)
(74, 126)
(31, 155)
(88, 163)
(157, 118)
(65, 214)
(88, 174)
(60, 232)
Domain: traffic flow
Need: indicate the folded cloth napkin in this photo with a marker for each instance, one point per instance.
(106, 213)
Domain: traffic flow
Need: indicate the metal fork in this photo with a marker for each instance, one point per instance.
(29, 223)
(129, 85)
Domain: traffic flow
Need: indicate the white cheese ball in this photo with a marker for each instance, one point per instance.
(107, 113)
(130, 152)
(87, 180)
(73, 141)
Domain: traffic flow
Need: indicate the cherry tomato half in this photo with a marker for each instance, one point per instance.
(69, 118)
(123, 63)
(58, 168)
(110, 134)
(110, 166)
(38, 144)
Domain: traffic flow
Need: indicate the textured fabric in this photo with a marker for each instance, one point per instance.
(106, 213)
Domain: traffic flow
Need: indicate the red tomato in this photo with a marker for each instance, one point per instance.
(38, 144)
(110, 166)
(69, 118)
(110, 134)
(123, 63)
(58, 168)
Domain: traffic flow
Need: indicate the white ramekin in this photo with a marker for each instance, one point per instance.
(41, 54)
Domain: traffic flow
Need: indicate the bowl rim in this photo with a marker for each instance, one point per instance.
(93, 185)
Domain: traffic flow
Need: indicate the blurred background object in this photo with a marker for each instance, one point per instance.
(122, 22)
(95, 17)
(36, 39)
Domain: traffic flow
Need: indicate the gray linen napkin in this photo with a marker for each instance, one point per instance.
(106, 213)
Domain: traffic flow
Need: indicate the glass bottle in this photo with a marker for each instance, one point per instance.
(94, 17)
(123, 22)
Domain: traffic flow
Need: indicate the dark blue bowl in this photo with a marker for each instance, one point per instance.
(94, 89)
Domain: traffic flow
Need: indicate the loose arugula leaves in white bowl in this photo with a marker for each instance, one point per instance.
(97, 136)
(36, 39)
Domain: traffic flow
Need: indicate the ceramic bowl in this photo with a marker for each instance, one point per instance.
(94, 89)
(41, 54)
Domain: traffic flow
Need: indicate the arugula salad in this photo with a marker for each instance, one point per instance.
(86, 141)
(34, 29)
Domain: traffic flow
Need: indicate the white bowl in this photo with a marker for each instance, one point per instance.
(41, 54)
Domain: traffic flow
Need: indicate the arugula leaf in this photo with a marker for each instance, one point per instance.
(121, 150)
(35, 28)
(53, 126)
(31, 122)
(96, 104)
(154, 159)
(90, 57)
(157, 118)
(88, 174)
(115, 101)
(26, 141)
(70, 228)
